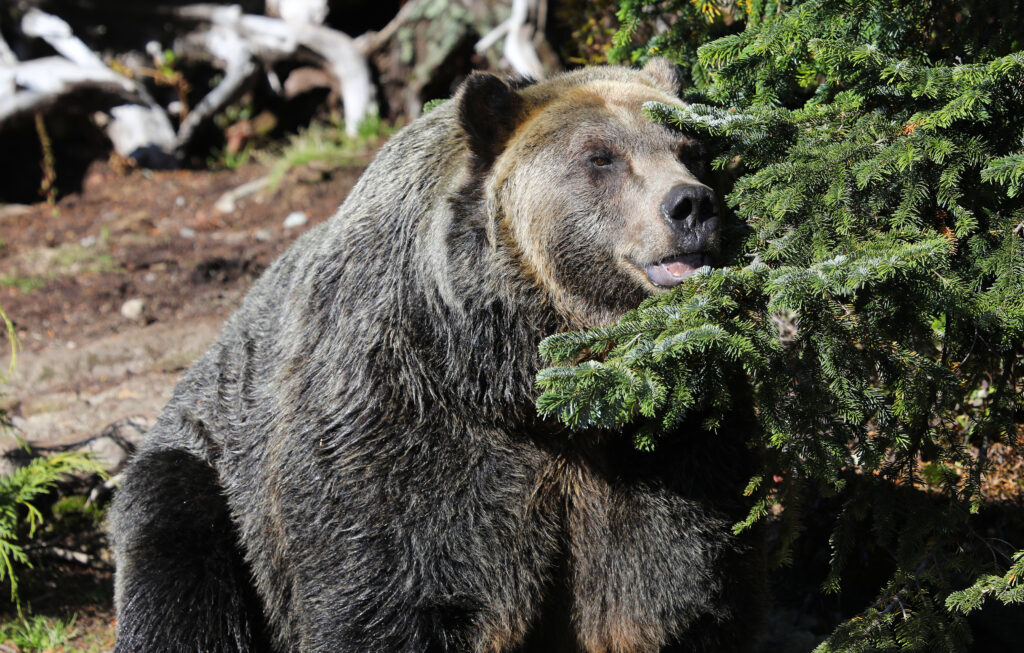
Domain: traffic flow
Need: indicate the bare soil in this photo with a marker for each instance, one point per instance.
(67, 271)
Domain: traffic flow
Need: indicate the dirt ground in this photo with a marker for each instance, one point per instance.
(73, 276)
(66, 273)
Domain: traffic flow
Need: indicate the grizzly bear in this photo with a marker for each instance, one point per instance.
(357, 463)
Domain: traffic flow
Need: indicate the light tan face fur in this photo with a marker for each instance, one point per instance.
(581, 186)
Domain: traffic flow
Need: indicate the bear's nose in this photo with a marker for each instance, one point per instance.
(687, 206)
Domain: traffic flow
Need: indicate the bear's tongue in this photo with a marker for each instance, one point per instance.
(671, 271)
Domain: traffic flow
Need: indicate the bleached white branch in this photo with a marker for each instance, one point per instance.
(299, 12)
(58, 34)
(348, 65)
(370, 42)
(139, 129)
(7, 57)
(492, 37)
(518, 32)
(234, 55)
(36, 85)
(233, 35)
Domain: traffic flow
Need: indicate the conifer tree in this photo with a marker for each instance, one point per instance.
(873, 302)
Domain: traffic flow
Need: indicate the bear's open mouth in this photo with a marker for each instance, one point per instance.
(671, 271)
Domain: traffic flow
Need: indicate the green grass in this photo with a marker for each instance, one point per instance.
(37, 633)
(327, 144)
(221, 159)
(67, 260)
(24, 284)
(73, 258)
(75, 513)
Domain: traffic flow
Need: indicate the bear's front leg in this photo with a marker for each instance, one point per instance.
(182, 583)
(444, 544)
(655, 571)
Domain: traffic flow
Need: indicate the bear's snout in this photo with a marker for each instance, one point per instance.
(689, 206)
(691, 211)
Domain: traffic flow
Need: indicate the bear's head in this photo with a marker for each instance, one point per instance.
(599, 205)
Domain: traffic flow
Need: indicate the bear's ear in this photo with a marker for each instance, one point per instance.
(488, 110)
(664, 74)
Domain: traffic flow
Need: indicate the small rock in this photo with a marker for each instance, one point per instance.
(176, 361)
(109, 452)
(187, 232)
(296, 219)
(226, 204)
(179, 200)
(88, 241)
(117, 442)
(133, 309)
(263, 235)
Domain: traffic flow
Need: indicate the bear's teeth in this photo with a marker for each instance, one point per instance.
(671, 271)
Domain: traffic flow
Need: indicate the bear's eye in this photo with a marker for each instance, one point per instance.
(601, 160)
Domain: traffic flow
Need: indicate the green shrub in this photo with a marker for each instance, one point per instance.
(19, 515)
